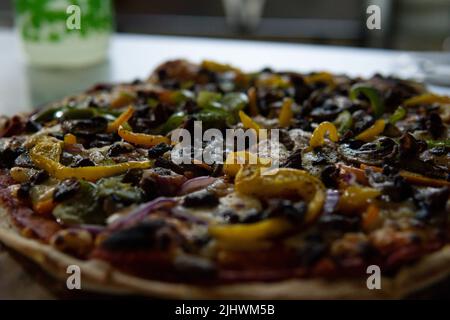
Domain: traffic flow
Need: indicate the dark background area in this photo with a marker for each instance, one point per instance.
(406, 24)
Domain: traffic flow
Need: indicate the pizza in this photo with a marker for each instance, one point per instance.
(335, 176)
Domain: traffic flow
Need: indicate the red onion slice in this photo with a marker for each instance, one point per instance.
(185, 215)
(142, 211)
(196, 184)
(74, 148)
(331, 201)
(91, 228)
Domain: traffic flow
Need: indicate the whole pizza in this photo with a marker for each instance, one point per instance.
(326, 183)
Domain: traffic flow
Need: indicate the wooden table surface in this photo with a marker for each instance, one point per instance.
(134, 56)
(23, 88)
(16, 283)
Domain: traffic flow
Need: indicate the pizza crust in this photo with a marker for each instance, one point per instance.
(100, 277)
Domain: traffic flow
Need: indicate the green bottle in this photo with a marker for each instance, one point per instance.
(64, 33)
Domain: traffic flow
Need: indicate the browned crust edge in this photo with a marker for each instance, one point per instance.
(100, 277)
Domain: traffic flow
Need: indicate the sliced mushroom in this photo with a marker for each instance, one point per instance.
(371, 153)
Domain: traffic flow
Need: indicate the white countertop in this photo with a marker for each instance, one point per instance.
(134, 56)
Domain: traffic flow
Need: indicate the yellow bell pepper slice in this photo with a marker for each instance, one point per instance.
(370, 133)
(272, 81)
(412, 177)
(248, 122)
(371, 217)
(286, 114)
(70, 139)
(236, 160)
(419, 179)
(44, 207)
(426, 98)
(265, 229)
(21, 174)
(324, 77)
(356, 198)
(218, 67)
(317, 138)
(124, 117)
(282, 182)
(121, 99)
(142, 139)
(44, 158)
(51, 148)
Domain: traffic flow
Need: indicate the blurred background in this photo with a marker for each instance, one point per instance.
(405, 23)
(121, 40)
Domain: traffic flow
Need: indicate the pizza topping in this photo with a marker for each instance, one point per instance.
(141, 138)
(375, 152)
(370, 133)
(317, 138)
(248, 123)
(345, 121)
(161, 182)
(46, 155)
(119, 148)
(82, 207)
(431, 201)
(410, 177)
(141, 212)
(79, 201)
(94, 175)
(44, 206)
(393, 186)
(440, 145)
(285, 117)
(264, 229)
(66, 189)
(236, 160)
(293, 211)
(15, 125)
(73, 241)
(82, 162)
(122, 98)
(152, 234)
(283, 182)
(370, 93)
(158, 150)
(356, 198)
(21, 174)
(426, 98)
(371, 218)
(195, 184)
(124, 117)
(70, 139)
(85, 127)
(201, 198)
(23, 192)
(117, 193)
(331, 108)
(398, 115)
(435, 125)
(9, 152)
